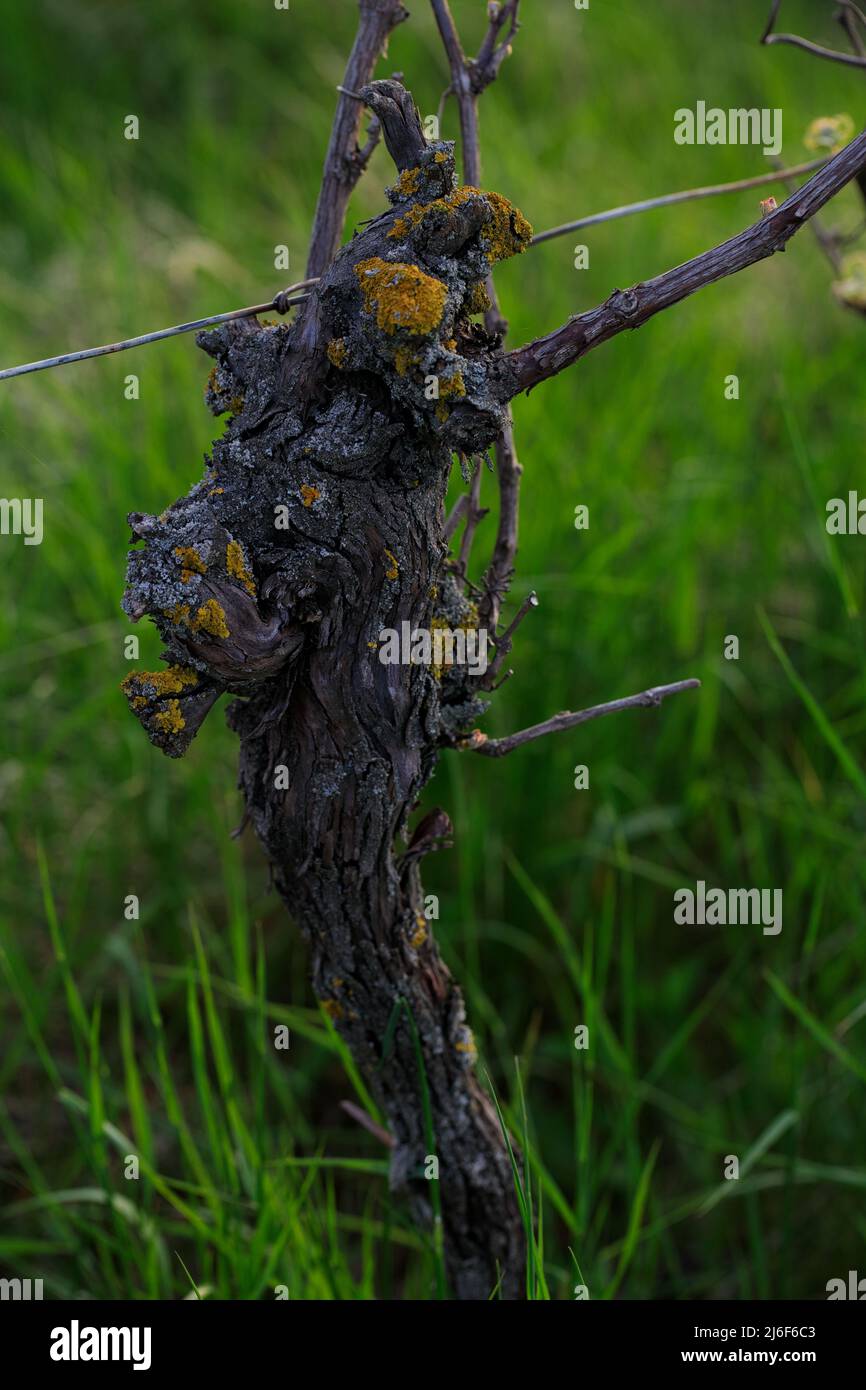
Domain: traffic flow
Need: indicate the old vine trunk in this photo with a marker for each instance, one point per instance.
(319, 523)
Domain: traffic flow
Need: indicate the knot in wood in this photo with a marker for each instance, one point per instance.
(624, 303)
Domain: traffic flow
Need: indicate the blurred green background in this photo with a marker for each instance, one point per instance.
(155, 1037)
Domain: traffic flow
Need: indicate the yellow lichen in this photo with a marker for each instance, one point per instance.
(441, 412)
(509, 233)
(442, 624)
(506, 234)
(214, 492)
(419, 936)
(211, 619)
(404, 358)
(394, 569)
(404, 225)
(309, 494)
(170, 720)
(407, 183)
(452, 386)
(440, 157)
(401, 296)
(236, 405)
(171, 681)
(333, 1008)
(191, 562)
(179, 614)
(478, 300)
(237, 566)
(336, 351)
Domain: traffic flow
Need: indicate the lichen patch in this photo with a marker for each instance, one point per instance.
(401, 296)
(506, 232)
(210, 618)
(237, 567)
(191, 562)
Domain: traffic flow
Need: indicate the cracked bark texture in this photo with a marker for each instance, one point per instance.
(320, 522)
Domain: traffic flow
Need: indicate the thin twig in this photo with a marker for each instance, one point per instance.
(365, 153)
(688, 195)
(629, 309)
(497, 580)
(367, 1122)
(466, 84)
(848, 16)
(834, 55)
(852, 10)
(498, 747)
(462, 88)
(344, 161)
(452, 521)
(474, 514)
(484, 67)
(280, 304)
(504, 641)
(440, 109)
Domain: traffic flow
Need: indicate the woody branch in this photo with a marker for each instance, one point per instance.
(537, 361)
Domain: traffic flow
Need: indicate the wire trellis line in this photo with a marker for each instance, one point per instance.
(293, 294)
(280, 304)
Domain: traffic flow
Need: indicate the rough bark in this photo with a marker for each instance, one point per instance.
(320, 522)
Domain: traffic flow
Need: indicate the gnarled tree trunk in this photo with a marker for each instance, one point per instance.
(318, 526)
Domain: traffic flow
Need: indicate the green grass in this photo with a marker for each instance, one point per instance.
(154, 1038)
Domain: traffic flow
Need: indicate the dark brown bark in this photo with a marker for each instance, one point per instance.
(288, 619)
